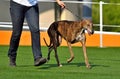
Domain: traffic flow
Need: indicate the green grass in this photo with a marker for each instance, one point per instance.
(105, 64)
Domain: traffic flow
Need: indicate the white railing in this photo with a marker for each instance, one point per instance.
(8, 25)
(101, 25)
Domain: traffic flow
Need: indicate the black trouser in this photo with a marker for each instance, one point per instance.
(18, 14)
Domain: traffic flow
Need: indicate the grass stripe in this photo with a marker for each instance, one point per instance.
(105, 64)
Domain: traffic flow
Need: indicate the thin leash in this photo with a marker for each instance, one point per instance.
(77, 16)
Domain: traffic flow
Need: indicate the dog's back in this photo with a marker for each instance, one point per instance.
(67, 29)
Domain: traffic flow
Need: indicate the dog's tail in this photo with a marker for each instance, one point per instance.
(46, 43)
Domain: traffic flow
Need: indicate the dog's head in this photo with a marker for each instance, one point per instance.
(87, 25)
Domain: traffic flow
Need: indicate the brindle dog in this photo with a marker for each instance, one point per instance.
(72, 32)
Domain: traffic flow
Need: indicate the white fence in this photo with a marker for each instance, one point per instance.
(101, 25)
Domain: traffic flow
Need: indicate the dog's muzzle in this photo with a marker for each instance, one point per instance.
(90, 32)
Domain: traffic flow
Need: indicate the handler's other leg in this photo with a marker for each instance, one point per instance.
(32, 17)
(17, 18)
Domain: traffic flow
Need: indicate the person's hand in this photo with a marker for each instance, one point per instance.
(61, 3)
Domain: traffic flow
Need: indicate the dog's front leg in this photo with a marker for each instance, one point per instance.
(85, 55)
(71, 53)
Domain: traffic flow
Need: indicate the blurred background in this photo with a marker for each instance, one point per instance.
(105, 15)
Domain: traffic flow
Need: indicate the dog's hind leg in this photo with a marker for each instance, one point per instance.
(71, 53)
(57, 59)
(56, 43)
(59, 40)
(49, 51)
(50, 47)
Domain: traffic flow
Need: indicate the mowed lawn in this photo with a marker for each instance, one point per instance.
(105, 64)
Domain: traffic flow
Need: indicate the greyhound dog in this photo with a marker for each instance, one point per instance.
(72, 32)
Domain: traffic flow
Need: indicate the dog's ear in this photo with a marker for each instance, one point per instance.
(81, 23)
(83, 20)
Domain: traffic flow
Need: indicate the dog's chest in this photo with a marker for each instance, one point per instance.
(80, 36)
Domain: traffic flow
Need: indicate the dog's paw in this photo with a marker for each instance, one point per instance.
(70, 59)
(88, 67)
(60, 65)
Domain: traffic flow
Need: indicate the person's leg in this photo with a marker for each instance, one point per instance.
(32, 17)
(17, 18)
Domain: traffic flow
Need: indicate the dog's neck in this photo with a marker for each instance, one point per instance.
(82, 31)
(80, 35)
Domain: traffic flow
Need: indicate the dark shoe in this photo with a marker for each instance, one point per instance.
(40, 61)
(12, 61)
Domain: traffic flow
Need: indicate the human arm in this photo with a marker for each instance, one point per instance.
(62, 4)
